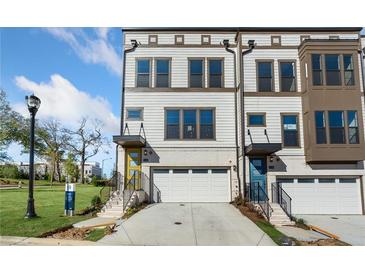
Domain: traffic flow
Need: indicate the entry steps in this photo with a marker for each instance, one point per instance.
(278, 216)
(113, 207)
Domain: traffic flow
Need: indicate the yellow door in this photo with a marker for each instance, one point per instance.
(133, 167)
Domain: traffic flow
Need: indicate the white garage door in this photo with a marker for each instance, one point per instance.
(324, 196)
(193, 185)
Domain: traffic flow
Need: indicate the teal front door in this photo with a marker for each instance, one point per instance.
(257, 176)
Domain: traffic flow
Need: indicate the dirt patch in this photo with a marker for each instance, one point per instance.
(77, 233)
(131, 211)
(322, 242)
(248, 210)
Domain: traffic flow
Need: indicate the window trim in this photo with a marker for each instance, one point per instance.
(280, 61)
(155, 59)
(152, 36)
(255, 113)
(274, 37)
(326, 130)
(134, 119)
(181, 123)
(345, 127)
(297, 114)
(341, 68)
(179, 36)
(272, 73)
(206, 36)
(344, 70)
(208, 73)
(324, 85)
(203, 67)
(150, 71)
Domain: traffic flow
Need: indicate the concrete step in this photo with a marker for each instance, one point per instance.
(110, 214)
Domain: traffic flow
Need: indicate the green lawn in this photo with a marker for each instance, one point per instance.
(36, 182)
(49, 206)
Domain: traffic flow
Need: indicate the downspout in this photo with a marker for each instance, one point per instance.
(134, 46)
(226, 47)
(251, 44)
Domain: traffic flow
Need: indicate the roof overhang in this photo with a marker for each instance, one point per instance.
(130, 140)
(262, 148)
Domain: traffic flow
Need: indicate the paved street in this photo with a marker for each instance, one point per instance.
(188, 224)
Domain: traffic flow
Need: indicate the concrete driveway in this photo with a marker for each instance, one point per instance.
(350, 228)
(170, 224)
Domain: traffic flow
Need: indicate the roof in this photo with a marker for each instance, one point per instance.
(246, 29)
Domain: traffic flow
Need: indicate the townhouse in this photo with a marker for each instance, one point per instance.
(272, 114)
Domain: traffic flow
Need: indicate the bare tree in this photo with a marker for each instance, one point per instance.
(85, 142)
(55, 139)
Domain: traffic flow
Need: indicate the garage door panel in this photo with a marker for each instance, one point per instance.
(324, 198)
(195, 185)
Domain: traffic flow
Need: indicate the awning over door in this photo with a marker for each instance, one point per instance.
(262, 148)
(130, 140)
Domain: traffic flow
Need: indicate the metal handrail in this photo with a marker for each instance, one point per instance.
(110, 187)
(280, 196)
(263, 201)
(129, 189)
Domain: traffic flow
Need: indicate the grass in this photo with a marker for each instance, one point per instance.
(96, 234)
(49, 206)
(270, 230)
(25, 182)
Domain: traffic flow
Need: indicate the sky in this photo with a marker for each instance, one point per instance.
(76, 72)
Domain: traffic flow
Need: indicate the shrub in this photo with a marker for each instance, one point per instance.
(96, 201)
(9, 171)
(101, 182)
(300, 221)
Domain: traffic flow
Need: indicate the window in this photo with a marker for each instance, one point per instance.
(348, 70)
(215, 73)
(256, 119)
(287, 76)
(143, 73)
(162, 73)
(161, 171)
(135, 114)
(326, 180)
(333, 71)
(337, 128)
(306, 180)
(195, 124)
(320, 127)
(317, 70)
(206, 124)
(290, 130)
(348, 180)
(180, 171)
(353, 127)
(196, 69)
(265, 76)
(285, 180)
(200, 171)
(221, 170)
(173, 124)
(189, 124)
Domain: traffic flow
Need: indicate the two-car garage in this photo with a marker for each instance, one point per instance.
(192, 184)
(323, 195)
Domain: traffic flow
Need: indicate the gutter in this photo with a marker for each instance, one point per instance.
(251, 44)
(226, 47)
(134, 46)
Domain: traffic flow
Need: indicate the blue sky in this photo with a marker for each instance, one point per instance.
(76, 72)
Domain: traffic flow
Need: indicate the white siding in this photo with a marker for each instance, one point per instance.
(275, 54)
(291, 39)
(273, 106)
(179, 64)
(155, 102)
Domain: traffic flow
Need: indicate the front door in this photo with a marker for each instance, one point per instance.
(133, 167)
(257, 176)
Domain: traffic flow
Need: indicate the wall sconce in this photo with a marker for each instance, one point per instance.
(234, 168)
(145, 152)
(271, 159)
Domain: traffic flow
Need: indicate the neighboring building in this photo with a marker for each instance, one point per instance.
(91, 169)
(40, 168)
(201, 123)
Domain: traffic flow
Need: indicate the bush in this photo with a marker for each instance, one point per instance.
(9, 171)
(101, 182)
(96, 201)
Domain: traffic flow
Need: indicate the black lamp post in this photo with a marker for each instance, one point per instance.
(33, 103)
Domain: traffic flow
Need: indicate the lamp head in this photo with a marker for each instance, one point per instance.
(251, 43)
(226, 43)
(33, 103)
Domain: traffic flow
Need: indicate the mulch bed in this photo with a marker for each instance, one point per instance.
(76, 233)
(322, 242)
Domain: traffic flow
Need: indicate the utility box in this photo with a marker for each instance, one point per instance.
(70, 194)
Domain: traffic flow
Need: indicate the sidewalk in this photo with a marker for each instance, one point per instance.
(27, 241)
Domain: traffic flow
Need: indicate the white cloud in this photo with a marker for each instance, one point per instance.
(94, 50)
(61, 100)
